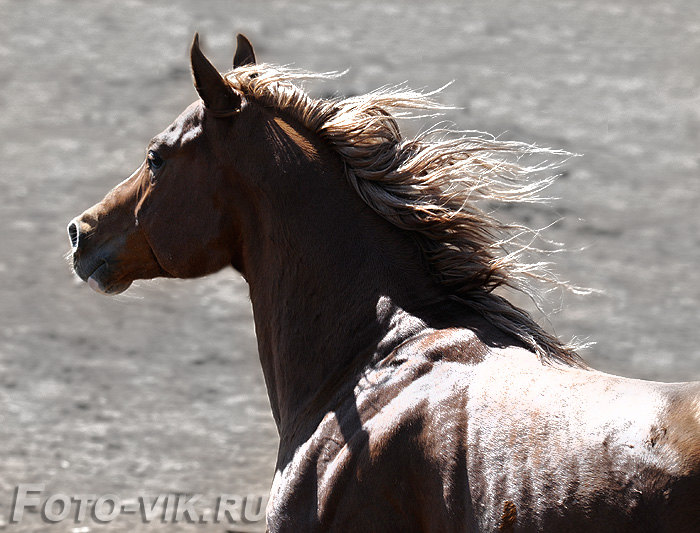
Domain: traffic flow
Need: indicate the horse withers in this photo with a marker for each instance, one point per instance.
(408, 394)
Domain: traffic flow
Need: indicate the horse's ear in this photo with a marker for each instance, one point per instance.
(244, 52)
(212, 89)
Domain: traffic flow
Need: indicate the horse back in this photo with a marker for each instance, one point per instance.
(579, 450)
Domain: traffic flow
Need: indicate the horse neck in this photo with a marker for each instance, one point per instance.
(329, 279)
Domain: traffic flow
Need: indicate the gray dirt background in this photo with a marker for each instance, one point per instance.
(159, 390)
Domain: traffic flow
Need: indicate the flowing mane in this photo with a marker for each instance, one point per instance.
(430, 186)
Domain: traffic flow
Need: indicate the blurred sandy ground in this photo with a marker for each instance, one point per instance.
(159, 390)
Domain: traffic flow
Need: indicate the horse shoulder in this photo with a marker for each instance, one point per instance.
(399, 436)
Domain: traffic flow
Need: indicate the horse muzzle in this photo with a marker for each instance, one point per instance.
(94, 265)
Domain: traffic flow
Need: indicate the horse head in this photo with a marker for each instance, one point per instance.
(173, 216)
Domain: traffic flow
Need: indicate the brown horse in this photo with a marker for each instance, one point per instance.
(408, 395)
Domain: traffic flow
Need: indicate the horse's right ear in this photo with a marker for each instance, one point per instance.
(216, 94)
(244, 52)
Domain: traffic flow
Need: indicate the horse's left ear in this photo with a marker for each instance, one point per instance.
(217, 95)
(244, 52)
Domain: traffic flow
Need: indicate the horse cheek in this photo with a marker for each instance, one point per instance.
(188, 245)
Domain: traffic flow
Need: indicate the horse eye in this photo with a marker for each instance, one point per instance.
(154, 161)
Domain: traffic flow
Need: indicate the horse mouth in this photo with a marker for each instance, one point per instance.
(99, 281)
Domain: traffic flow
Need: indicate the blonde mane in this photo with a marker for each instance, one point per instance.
(430, 186)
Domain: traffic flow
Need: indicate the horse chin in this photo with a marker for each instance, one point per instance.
(109, 290)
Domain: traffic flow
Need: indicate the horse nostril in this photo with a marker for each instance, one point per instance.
(73, 235)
